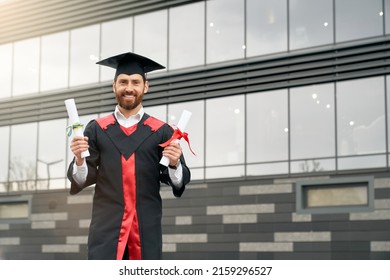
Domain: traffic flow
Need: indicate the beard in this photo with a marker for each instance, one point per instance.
(129, 104)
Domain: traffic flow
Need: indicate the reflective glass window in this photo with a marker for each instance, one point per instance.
(186, 36)
(267, 126)
(225, 135)
(195, 130)
(5, 70)
(266, 27)
(388, 113)
(267, 133)
(4, 151)
(51, 154)
(386, 15)
(26, 67)
(22, 168)
(116, 38)
(84, 53)
(159, 112)
(54, 61)
(356, 19)
(312, 128)
(360, 118)
(225, 30)
(311, 23)
(150, 36)
(312, 121)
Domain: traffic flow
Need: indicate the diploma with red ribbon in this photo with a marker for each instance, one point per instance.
(178, 134)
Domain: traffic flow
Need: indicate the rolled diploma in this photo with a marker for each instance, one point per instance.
(73, 118)
(184, 119)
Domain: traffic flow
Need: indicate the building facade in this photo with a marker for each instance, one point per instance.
(290, 122)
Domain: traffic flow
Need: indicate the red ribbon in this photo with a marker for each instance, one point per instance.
(177, 134)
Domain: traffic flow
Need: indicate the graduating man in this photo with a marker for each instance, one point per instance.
(124, 165)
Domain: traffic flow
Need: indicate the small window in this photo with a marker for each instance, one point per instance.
(14, 209)
(335, 195)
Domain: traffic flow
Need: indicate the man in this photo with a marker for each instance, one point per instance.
(124, 166)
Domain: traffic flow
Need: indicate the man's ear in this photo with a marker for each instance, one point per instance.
(146, 87)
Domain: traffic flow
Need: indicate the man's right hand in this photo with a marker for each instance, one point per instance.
(78, 145)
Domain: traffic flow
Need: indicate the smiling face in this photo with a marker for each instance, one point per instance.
(129, 92)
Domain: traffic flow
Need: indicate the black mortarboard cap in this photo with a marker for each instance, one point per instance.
(130, 63)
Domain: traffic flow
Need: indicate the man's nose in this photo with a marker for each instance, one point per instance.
(129, 88)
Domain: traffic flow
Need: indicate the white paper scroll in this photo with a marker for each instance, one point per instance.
(74, 119)
(184, 119)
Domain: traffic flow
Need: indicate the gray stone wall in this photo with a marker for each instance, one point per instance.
(221, 220)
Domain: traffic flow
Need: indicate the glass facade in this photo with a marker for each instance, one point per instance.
(6, 70)
(365, 21)
(150, 35)
(225, 30)
(186, 32)
(84, 53)
(25, 76)
(311, 23)
(112, 43)
(266, 27)
(54, 61)
(321, 127)
(205, 32)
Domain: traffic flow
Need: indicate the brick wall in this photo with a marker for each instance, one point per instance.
(230, 220)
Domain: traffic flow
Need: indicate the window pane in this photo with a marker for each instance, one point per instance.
(267, 122)
(267, 169)
(4, 151)
(311, 23)
(195, 130)
(225, 141)
(55, 61)
(159, 112)
(361, 117)
(388, 112)
(266, 26)
(313, 165)
(23, 156)
(225, 30)
(117, 38)
(186, 36)
(51, 154)
(361, 162)
(225, 172)
(5, 70)
(364, 20)
(26, 67)
(150, 36)
(84, 53)
(312, 113)
(387, 16)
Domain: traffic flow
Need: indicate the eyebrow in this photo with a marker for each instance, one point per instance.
(129, 80)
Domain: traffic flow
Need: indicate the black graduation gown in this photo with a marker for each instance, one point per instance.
(125, 169)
